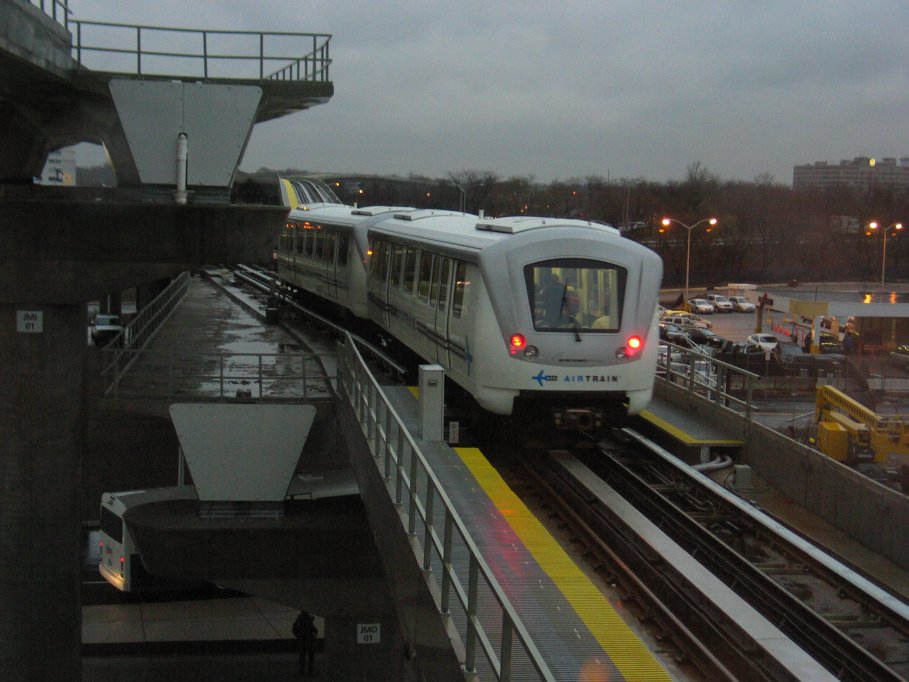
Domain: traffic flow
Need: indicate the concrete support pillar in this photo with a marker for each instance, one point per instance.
(42, 349)
(364, 649)
(112, 304)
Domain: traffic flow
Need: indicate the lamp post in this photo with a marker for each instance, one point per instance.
(873, 225)
(668, 221)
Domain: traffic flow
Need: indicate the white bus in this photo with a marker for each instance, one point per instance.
(120, 563)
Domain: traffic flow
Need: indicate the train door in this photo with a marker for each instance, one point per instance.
(424, 312)
(377, 286)
(441, 285)
(459, 315)
(400, 299)
(342, 273)
(329, 242)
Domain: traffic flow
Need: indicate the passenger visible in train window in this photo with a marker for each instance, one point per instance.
(604, 321)
(554, 301)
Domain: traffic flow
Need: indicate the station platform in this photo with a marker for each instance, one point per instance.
(579, 633)
(694, 432)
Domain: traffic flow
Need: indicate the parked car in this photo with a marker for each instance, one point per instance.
(720, 303)
(684, 319)
(900, 356)
(767, 342)
(705, 337)
(104, 328)
(741, 304)
(669, 331)
(700, 306)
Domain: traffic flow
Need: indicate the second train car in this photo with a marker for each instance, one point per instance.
(527, 315)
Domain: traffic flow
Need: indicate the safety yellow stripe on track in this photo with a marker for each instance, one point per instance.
(684, 436)
(627, 652)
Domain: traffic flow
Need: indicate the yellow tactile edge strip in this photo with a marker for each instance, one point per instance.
(628, 653)
(683, 436)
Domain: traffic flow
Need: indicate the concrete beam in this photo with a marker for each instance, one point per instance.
(72, 252)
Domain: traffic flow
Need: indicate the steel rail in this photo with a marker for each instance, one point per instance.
(840, 653)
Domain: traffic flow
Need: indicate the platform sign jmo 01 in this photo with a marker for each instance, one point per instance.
(369, 633)
(30, 321)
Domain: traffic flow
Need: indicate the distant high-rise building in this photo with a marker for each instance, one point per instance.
(862, 172)
(60, 168)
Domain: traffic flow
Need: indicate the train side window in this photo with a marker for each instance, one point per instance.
(328, 247)
(423, 283)
(434, 279)
(377, 264)
(459, 301)
(309, 243)
(343, 244)
(442, 299)
(301, 236)
(410, 270)
(397, 261)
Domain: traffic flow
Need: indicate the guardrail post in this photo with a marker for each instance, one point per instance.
(472, 591)
(505, 653)
(427, 528)
(446, 563)
(205, 53)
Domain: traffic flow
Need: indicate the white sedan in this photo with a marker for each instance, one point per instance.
(766, 341)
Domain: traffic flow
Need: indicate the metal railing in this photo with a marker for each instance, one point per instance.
(495, 640)
(121, 352)
(191, 376)
(195, 53)
(724, 384)
(57, 9)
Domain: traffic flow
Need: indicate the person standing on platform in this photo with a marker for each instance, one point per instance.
(305, 631)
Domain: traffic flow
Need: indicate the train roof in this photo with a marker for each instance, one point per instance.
(448, 229)
(468, 231)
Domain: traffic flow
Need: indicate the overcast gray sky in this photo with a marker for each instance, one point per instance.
(617, 88)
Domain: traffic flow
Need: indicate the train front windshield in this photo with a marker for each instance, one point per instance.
(576, 295)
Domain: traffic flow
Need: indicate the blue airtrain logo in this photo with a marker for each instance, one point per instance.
(543, 377)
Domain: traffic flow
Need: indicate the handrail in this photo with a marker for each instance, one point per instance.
(400, 458)
(56, 9)
(702, 373)
(193, 376)
(153, 50)
(119, 354)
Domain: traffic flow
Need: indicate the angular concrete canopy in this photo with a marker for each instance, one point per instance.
(242, 452)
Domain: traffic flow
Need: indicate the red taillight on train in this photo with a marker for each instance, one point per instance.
(632, 347)
(516, 342)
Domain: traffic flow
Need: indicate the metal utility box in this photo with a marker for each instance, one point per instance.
(432, 402)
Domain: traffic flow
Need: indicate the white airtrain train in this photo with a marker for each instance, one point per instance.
(527, 315)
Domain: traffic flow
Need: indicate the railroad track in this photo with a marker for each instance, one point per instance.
(821, 608)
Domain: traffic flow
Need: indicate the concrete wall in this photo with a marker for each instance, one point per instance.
(32, 35)
(868, 512)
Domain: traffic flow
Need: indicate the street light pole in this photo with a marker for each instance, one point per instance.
(667, 222)
(873, 225)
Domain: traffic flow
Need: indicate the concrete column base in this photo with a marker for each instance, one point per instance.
(365, 649)
(42, 349)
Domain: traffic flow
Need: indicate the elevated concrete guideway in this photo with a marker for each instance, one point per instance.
(69, 81)
(174, 109)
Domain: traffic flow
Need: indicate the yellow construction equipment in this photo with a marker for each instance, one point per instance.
(851, 433)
